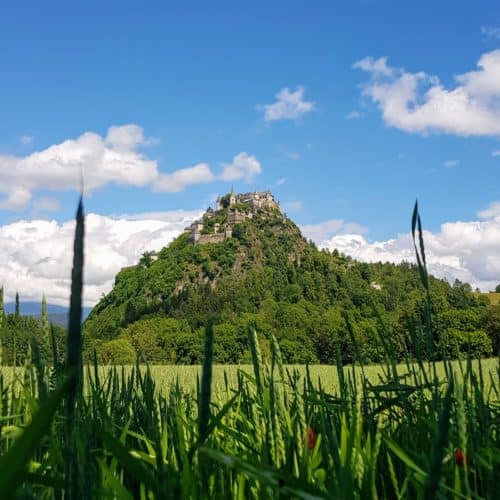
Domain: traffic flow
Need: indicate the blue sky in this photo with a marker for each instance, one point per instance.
(195, 77)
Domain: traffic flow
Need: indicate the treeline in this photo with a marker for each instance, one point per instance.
(20, 335)
(316, 303)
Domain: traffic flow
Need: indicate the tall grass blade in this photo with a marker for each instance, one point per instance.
(13, 463)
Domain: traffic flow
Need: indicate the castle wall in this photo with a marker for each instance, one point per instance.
(211, 238)
(256, 200)
(236, 217)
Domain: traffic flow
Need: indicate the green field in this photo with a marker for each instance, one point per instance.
(493, 297)
(326, 376)
(381, 431)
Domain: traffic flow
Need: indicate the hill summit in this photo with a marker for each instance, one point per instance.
(231, 209)
(245, 262)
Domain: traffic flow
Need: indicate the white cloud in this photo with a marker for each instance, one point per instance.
(353, 115)
(17, 199)
(100, 160)
(125, 137)
(35, 256)
(243, 166)
(26, 140)
(490, 32)
(376, 66)
(293, 206)
(180, 179)
(451, 163)
(46, 205)
(464, 250)
(321, 232)
(418, 102)
(292, 155)
(289, 105)
(496, 152)
(281, 181)
(492, 212)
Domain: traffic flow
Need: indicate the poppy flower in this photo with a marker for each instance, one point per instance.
(460, 457)
(311, 438)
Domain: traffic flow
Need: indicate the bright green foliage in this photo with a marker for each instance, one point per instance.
(17, 334)
(117, 352)
(492, 326)
(2, 311)
(269, 275)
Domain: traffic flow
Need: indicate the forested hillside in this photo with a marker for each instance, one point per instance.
(267, 274)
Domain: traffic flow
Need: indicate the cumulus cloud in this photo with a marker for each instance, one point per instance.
(419, 102)
(35, 256)
(46, 205)
(321, 232)
(17, 198)
(293, 206)
(490, 32)
(100, 160)
(289, 105)
(180, 179)
(492, 212)
(464, 250)
(353, 115)
(115, 158)
(243, 166)
(378, 67)
(26, 140)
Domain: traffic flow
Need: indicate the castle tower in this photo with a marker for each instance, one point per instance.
(232, 197)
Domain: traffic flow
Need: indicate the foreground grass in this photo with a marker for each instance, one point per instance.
(259, 431)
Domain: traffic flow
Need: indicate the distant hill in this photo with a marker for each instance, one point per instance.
(58, 315)
(247, 263)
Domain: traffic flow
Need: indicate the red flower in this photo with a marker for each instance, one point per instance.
(311, 438)
(460, 457)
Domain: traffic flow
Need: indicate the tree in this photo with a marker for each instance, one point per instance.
(118, 352)
(497, 288)
(18, 307)
(492, 326)
(45, 319)
(2, 315)
(45, 324)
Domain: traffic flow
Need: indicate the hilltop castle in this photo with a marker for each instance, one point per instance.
(231, 209)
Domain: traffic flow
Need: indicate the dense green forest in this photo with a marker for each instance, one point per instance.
(313, 301)
(22, 337)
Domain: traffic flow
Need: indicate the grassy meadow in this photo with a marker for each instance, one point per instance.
(225, 377)
(266, 430)
(493, 297)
